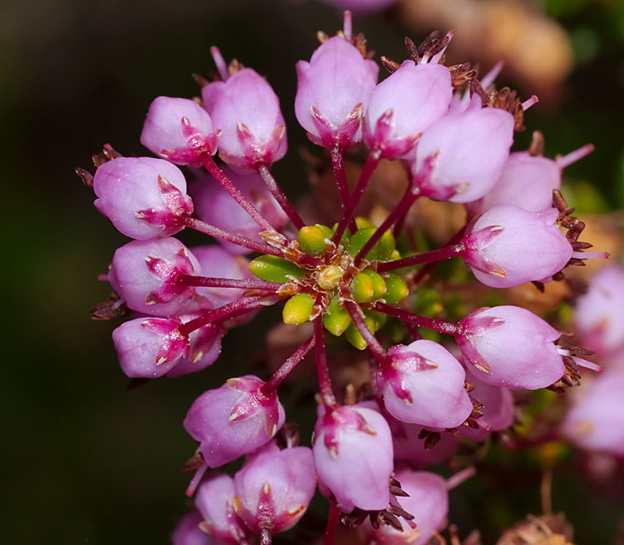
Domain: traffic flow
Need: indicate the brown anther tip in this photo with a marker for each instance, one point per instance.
(390, 65)
(536, 148)
(200, 80)
(412, 50)
(432, 440)
(107, 310)
(193, 463)
(322, 37)
(539, 285)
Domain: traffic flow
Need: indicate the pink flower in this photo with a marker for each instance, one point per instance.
(179, 130)
(143, 197)
(332, 92)
(508, 246)
(406, 103)
(353, 457)
(233, 420)
(599, 314)
(215, 503)
(461, 156)
(145, 274)
(187, 531)
(424, 384)
(410, 448)
(511, 347)
(149, 347)
(247, 110)
(596, 421)
(274, 488)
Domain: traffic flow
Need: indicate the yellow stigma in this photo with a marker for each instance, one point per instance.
(329, 277)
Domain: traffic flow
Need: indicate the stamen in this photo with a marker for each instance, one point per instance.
(574, 156)
(489, 78)
(347, 26)
(219, 62)
(529, 102)
(460, 477)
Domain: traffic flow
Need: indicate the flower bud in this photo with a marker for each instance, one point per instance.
(145, 273)
(333, 91)
(508, 246)
(215, 502)
(406, 103)
(337, 319)
(274, 488)
(600, 312)
(427, 501)
(143, 197)
(233, 420)
(494, 342)
(422, 383)
(596, 421)
(355, 337)
(247, 110)
(353, 457)
(179, 130)
(461, 156)
(216, 206)
(149, 347)
(311, 239)
(396, 289)
(187, 531)
(527, 181)
(274, 269)
(297, 309)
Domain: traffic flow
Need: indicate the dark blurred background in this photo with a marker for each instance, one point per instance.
(86, 460)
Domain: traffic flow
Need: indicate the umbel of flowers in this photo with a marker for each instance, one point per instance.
(353, 279)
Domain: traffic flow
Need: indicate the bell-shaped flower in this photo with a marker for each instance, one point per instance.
(497, 409)
(216, 206)
(508, 246)
(150, 347)
(527, 181)
(427, 501)
(247, 111)
(406, 103)
(599, 316)
(142, 196)
(145, 274)
(235, 419)
(410, 447)
(179, 130)
(215, 503)
(422, 383)
(461, 156)
(274, 488)
(187, 531)
(353, 457)
(332, 93)
(204, 342)
(596, 421)
(511, 347)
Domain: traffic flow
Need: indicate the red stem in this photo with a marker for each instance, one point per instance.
(212, 167)
(399, 211)
(239, 240)
(341, 181)
(422, 321)
(225, 312)
(446, 252)
(280, 197)
(424, 270)
(332, 524)
(325, 385)
(373, 344)
(286, 368)
(212, 282)
(369, 167)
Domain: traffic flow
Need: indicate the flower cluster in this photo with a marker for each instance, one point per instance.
(355, 279)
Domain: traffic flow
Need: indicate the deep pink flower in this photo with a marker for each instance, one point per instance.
(508, 246)
(511, 347)
(233, 420)
(142, 196)
(145, 273)
(274, 488)
(424, 384)
(246, 109)
(406, 103)
(332, 92)
(180, 130)
(353, 457)
(461, 156)
(149, 347)
(215, 503)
